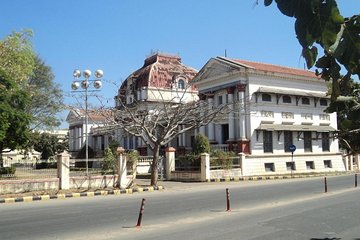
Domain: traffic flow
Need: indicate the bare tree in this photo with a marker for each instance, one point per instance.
(158, 123)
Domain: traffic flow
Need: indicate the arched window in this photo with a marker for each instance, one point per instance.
(181, 84)
(305, 101)
(323, 102)
(286, 99)
(266, 97)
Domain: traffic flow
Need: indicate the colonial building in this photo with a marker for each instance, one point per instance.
(162, 78)
(97, 136)
(273, 107)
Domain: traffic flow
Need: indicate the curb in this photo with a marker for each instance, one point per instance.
(83, 194)
(259, 178)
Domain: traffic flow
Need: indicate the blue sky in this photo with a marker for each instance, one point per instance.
(117, 35)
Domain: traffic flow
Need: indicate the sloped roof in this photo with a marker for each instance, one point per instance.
(160, 71)
(265, 67)
(94, 115)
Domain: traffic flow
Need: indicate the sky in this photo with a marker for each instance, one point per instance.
(117, 35)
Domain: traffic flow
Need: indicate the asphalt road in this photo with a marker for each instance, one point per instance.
(281, 209)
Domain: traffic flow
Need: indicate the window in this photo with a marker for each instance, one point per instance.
(305, 101)
(325, 142)
(307, 142)
(286, 99)
(268, 141)
(327, 164)
(269, 167)
(323, 102)
(220, 99)
(125, 142)
(288, 140)
(310, 165)
(131, 142)
(266, 97)
(290, 166)
(181, 84)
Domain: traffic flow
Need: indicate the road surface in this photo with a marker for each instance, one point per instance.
(281, 209)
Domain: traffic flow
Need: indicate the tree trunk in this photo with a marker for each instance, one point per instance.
(154, 165)
(1, 156)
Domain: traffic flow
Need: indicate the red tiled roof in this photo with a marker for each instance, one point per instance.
(276, 69)
(160, 70)
(97, 115)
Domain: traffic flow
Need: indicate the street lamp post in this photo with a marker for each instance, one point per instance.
(85, 85)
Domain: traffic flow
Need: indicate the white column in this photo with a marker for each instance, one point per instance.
(231, 115)
(79, 138)
(71, 139)
(180, 137)
(183, 138)
(242, 126)
(211, 127)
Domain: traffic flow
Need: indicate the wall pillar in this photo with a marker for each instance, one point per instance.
(121, 168)
(244, 167)
(351, 165)
(170, 162)
(63, 166)
(346, 161)
(357, 161)
(205, 167)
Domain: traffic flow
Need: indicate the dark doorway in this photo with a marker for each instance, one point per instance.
(224, 133)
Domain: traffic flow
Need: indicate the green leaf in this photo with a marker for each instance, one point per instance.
(267, 2)
(288, 7)
(323, 62)
(310, 56)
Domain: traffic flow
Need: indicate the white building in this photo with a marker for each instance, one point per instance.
(163, 78)
(274, 107)
(96, 137)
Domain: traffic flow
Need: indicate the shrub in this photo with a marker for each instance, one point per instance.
(222, 159)
(188, 161)
(202, 144)
(132, 160)
(43, 165)
(108, 165)
(7, 170)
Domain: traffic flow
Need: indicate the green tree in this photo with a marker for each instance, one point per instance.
(347, 108)
(17, 56)
(48, 144)
(19, 61)
(47, 96)
(319, 23)
(15, 121)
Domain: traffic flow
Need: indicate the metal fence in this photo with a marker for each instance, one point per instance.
(78, 167)
(48, 169)
(32, 170)
(225, 163)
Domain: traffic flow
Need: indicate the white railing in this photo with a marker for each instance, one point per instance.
(221, 147)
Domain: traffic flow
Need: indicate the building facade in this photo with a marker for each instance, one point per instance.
(162, 79)
(274, 108)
